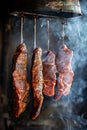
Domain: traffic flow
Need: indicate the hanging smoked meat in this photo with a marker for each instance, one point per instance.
(63, 63)
(49, 74)
(37, 83)
(19, 81)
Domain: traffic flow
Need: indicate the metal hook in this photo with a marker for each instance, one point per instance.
(48, 23)
(35, 27)
(64, 21)
(22, 24)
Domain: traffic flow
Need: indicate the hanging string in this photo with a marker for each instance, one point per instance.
(63, 33)
(35, 26)
(48, 29)
(22, 23)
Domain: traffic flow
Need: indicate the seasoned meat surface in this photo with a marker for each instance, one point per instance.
(19, 81)
(49, 74)
(37, 82)
(63, 63)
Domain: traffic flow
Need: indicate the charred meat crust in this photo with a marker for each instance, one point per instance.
(37, 83)
(19, 81)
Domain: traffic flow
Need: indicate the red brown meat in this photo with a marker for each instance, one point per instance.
(49, 74)
(37, 83)
(63, 63)
(19, 81)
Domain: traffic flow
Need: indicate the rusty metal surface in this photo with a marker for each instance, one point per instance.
(61, 8)
(58, 8)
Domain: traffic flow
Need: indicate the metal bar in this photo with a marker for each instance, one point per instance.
(48, 23)
(22, 23)
(17, 14)
(64, 22)
(63, 33)
(35, 32)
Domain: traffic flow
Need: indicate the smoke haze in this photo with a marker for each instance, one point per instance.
(68, 109)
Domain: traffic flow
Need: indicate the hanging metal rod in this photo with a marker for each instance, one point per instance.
(22, 24)
(17, 14)
(35, 27)
(64, 21)
(48, 24)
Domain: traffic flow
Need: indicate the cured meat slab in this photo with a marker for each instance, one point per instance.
(20, 85)
(49, 74)
(37, 82)
(64, 68)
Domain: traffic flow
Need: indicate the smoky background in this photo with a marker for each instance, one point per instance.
(68, 112)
